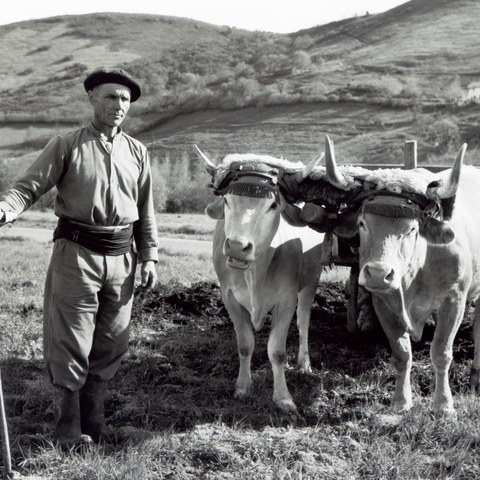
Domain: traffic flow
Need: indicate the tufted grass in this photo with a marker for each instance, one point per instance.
(171, 413)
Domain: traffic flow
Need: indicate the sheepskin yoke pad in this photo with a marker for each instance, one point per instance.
(251, 175)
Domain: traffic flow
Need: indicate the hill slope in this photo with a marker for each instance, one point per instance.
(371, 82)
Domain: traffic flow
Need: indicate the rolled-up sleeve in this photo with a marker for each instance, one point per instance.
(40, 177)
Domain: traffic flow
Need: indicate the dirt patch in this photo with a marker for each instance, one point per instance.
(182, 365)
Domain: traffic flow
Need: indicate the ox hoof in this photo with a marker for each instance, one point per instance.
(447, 412)
(305, 366)
(241, 393)
(475, 380)
(400, 408)
(287, 406)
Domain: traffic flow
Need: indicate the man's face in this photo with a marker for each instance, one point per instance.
(110, 102)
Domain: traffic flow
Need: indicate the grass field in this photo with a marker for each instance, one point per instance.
(171, 413)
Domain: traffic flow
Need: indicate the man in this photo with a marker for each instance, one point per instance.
(106, 225)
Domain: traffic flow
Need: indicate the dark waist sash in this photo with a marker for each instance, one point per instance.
(104, 242)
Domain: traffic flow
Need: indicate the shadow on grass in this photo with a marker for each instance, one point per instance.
(182, 365)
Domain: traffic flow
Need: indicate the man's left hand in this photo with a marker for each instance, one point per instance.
(148, 273)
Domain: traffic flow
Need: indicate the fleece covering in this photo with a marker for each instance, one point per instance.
(395, 180)
(231, 162)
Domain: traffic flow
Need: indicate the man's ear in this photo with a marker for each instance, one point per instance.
(215, 209)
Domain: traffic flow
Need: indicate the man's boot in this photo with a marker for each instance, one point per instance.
(67, 429)
(92, 409)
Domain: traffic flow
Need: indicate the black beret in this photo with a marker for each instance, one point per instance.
(113, 75)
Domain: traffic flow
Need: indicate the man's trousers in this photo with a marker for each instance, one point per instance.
(87, 310)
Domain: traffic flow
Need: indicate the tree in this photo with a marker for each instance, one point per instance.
(303, 42)
(301, 60)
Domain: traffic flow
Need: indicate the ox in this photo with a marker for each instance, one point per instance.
(265, 261)
(420, 254)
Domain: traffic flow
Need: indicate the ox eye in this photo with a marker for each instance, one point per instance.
(361, 225)
(225, 201)
(273, 206)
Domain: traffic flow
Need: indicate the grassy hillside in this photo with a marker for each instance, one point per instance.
(370, 82)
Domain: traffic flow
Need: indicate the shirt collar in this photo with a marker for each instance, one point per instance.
(97, 133)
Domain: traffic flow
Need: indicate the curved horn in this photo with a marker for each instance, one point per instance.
(210, 166)
(449, 188)
(334, 176)
(307, 169)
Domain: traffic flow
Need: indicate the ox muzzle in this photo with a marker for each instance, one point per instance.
(239, 252)
(379, 277)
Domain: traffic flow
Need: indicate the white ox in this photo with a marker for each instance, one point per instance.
(420, 255)
(264, 265)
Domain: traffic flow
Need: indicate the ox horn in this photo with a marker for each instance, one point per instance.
(209, 165)
(334, 176)
(449, 188)
(307, 169)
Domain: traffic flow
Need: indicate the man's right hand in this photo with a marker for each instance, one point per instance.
(7, 217)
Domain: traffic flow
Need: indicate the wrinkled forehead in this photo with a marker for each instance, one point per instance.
(113, 89)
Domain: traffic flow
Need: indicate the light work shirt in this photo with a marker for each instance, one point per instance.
(99, 184)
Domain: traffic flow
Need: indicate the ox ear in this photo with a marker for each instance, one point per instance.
(436, 231)
(346, 226)
(291, 213)
(215, 209)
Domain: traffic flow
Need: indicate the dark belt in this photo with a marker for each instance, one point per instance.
(104, 242)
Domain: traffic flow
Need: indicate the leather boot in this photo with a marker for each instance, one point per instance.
(67, 429)
(92, 409)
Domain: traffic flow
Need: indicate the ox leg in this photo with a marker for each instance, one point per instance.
(450, 316)
(277, 354)
(304, 310)
(475, 371)
(401, 356)
(352, 297)
(245, 345)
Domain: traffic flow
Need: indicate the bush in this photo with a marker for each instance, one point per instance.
(159, 187)
(191, 198)
(178, 186)
(301, 60)
(384, 85)
(443, 133)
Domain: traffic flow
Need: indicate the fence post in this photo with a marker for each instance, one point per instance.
(410, 153)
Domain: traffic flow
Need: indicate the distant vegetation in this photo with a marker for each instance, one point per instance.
(370, 82)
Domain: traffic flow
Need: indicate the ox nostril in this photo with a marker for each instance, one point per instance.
(247, 248)
(378, 276)
(390, 276)
(366, 271)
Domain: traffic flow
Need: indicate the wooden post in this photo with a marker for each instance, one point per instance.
(410, 153)
(7, 461)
